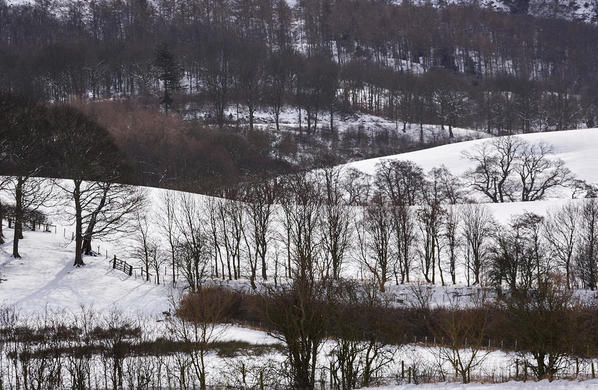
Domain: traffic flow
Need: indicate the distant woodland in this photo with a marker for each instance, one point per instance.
(453, 65)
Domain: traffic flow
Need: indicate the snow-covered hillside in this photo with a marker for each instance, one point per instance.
(45, 279)
(579, 10)
(577, 148)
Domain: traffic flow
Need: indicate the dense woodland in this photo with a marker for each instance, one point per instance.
(453, 65)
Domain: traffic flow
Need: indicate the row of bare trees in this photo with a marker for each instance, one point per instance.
(399, 226)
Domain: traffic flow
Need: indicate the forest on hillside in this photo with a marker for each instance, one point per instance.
(457, 65)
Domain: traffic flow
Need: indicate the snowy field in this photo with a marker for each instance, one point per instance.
(541, 385)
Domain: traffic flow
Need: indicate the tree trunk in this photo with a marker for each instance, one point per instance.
(264, 270)
(78, 225)
(18, 232)
(1, 218)
(92, 224)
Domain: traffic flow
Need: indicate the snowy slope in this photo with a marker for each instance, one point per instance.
(577, 148)
(45, 279)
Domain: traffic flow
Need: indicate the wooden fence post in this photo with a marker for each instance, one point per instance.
(114, 262)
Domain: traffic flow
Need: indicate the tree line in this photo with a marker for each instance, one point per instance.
(398, 226)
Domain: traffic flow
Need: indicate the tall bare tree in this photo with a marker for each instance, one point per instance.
(477, 228)
(301, 205)
(495, 163)
(561, 231)
(259, 198)
(193, 251)
(374, 234)
(335, 221)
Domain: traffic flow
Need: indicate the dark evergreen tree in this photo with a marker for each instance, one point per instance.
(169, 74)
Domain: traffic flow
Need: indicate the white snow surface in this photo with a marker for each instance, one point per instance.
(541, 385)
(577, 148)
(44, 279)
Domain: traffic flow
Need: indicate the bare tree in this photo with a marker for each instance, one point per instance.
(196, 323)
(402, 183)
(463, 332)
(586, 265)
(495, 163)
(534, 264)
(453, 240)
(26, 136)
(301, 205)
(360, 353)
(335, 221)
(259, 201)
(510, 168)
(146, 247)
(168, 228)
(102, 210)
(213, 211)
(538, 173)
(85, 151)
(374, 234)
(561, 231)
(545, 324)
(193, 251)
(299, 316)
(232, 216)
(431, 218)
(477, 228)
(356, 186)
(506, 257)
(30, 194)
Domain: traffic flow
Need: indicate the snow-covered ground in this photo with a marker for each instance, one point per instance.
(577, 148)
(370, 124)
(541, 385)
(45, 279)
